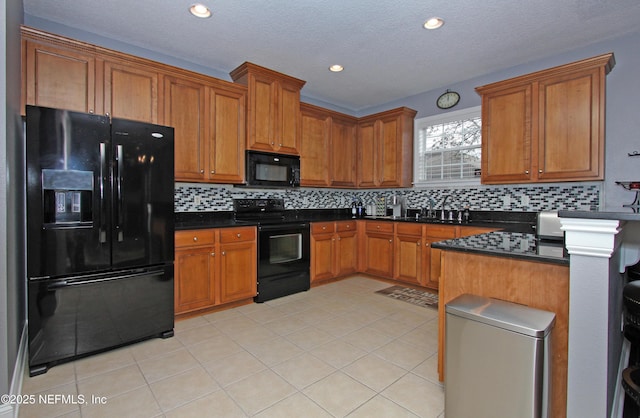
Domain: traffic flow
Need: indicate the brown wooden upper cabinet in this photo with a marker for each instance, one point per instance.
(273, 108)
(327, 148)
(131, 91)
(546, 126)
(385, 149)
(60, 75)
(209, 123)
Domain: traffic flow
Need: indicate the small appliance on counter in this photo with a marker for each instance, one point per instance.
(549, 226)
(550, 234)
(397, 207)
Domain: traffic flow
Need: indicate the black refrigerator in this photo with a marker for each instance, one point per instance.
(100, 234)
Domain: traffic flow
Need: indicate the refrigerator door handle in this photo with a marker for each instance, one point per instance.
(102, 232)
(125, 275)
(119, 198)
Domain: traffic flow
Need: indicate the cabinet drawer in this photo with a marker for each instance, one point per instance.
(373, 226)
(441, 231)
(323, 227)
(346, 226)
(408, 229)
(228, 235)
(194, 237)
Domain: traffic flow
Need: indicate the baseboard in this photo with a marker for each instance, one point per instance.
(11, 411)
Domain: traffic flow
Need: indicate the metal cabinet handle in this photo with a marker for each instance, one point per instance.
(195, 239)
(202, 171)
(238, 235)
(526, 171)
(224, 253)
(213, 171)
(426, 244)
(213, 254)
(324, 227)
(418, 243)
(390, 241)
(540, 171)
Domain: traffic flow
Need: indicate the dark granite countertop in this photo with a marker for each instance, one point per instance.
(523, 222)
(508, 244)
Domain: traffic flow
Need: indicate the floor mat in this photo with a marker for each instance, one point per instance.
(417, 297)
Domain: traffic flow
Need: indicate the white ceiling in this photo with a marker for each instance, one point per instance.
(386, 53)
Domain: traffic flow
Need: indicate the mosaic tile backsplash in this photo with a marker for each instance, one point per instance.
(191, 197)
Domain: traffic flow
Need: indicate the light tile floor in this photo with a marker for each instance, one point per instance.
(337, 350)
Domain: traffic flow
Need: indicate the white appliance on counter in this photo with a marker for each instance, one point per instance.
(550, 234)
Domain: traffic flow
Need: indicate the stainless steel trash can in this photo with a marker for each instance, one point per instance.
(497, 359)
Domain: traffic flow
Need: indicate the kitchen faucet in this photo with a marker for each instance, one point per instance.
(431, 213)
(444, 202)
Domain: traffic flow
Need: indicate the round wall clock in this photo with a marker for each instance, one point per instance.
(448, 99)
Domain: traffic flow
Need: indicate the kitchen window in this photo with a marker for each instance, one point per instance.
(448, 148)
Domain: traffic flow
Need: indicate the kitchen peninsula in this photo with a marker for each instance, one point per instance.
(515, 267)
(585, 294)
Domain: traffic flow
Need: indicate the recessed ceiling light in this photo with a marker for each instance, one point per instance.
(433, 23)
(336, 68)
(200, 10)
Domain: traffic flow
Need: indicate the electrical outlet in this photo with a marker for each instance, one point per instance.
(524, 200)
(305, 200)
(506, 201)
(197, 200)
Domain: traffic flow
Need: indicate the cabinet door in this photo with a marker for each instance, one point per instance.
(379, 254)
(390, 149)
(130, 92)
(431, 256)
(343, 155)
(314, 148)
(238, 271)
(346, 253)
(506, 135)
(570, 133)
(408, 253)
(322, 256)
(226, 136)
(367, 155)
(184, 109)
(408, 259)
(60, 78)
(194, 279)
(288, 139)
(263, 101)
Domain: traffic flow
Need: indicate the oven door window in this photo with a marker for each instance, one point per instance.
(285, 248)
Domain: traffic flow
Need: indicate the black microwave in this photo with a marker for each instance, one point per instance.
(265, 169)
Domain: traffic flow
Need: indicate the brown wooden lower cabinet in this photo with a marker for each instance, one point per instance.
(334, 248)
(214, 267)
(402, 250)
(408, 263)
(377, 248)
(538, 285)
